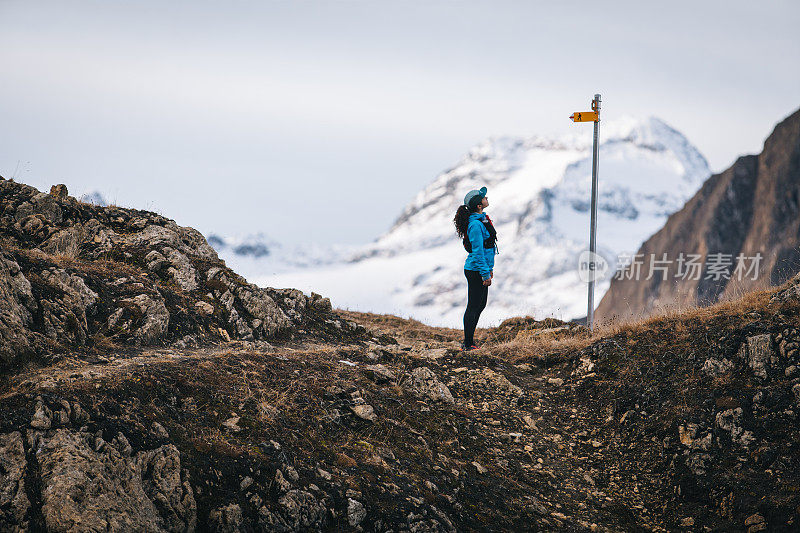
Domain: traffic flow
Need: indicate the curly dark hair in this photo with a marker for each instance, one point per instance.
(461, 220)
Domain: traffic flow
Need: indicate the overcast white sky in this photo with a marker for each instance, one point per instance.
(321, 120)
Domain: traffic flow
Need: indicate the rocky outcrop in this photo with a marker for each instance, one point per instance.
(74, 275)
(89, 484)
(751, 208)
(14, 503)
(16, 315)
(56, 476)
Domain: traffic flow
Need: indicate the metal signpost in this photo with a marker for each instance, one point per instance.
(592, 116)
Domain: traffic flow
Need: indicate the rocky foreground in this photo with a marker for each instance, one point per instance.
(344, 421)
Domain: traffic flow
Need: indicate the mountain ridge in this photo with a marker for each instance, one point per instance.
(751, 208)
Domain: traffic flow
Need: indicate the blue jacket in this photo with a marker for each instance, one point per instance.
(480, 258)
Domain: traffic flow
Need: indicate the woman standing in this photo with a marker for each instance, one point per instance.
(479, 237)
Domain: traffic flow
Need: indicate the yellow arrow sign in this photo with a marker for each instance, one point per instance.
(584, 116)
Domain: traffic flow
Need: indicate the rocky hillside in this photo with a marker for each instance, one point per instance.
(683, 423)
(751, 208)
(79, 276)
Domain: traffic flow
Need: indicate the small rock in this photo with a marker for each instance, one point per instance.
(435, 353)
(530, 422)
(731, 421)
(79, 416)
(514, 437)
(424, 382)
(755, 522)
(246, 482)
(687, 522)
(291, 473)
(714, 367)
(61, 417)
(379, 373)
(41, 418)
(345, 461)
(120, 442)
(757, 351)
(364, 411)
(158, 430)
(281, 481)
(479, 467)
(753, 519)
(355, 512)
(231, 423)
(59, 191)
(555, 381)
(204, 308)
(226, 519)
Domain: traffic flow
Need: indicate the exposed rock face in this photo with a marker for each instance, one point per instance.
(72, 274)
(14, 503)
(82, 482)
(88, 485)
(16, 315)
(753, 207)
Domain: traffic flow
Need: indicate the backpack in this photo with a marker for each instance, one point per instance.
(489, 242)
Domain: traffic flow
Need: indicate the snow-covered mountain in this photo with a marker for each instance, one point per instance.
(94, 197)
(538, 191)
(256, 254)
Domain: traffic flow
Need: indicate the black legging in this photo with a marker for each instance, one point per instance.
(476, 301)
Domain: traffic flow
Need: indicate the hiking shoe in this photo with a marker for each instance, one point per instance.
(468, 348)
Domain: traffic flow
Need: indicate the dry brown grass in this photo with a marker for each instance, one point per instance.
(558, 344)
(99, 267)
(749, 302)
(405, 328)
(540, 348)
